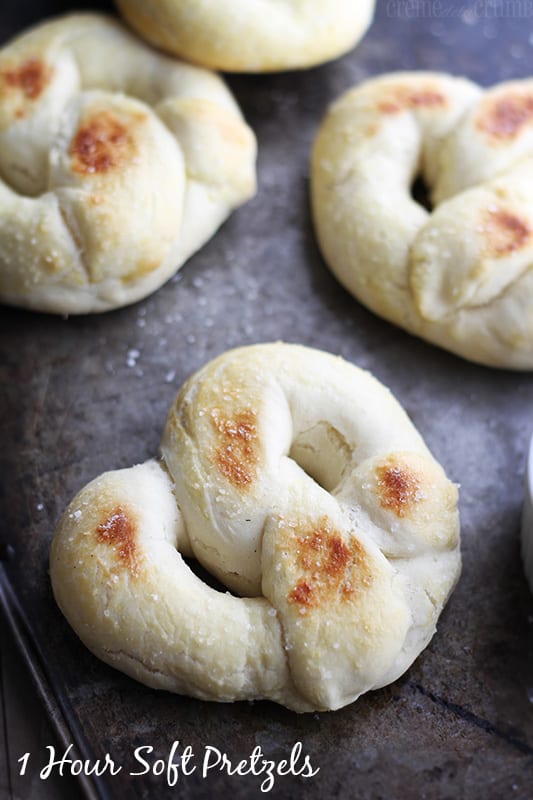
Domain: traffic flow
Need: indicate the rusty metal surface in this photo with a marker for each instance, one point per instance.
(81, 396)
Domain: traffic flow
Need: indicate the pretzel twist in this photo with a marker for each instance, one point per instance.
(461, 276)
(235, 36)
(297, 480)
(116, 164)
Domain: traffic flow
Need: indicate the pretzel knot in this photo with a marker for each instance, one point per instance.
(235, 37)
(116, 164)
(461, 276)
(298, 481)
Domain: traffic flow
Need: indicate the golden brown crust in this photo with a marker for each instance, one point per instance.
(103, 142)
(505, 231)
(31, 77)
(504, 118)
(399, 486)
(401, 98)
(118, 529)
(331, 570)
(236, 451)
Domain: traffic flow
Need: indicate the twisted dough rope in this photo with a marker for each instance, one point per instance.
(244, 36)
(462, 276)
(344, 574)
(116, 164)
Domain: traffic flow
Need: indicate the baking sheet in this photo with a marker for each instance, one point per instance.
(84, 395)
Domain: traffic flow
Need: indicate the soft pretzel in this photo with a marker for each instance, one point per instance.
(298, 481)
(116, 164)
(237, 36)
(461, 276)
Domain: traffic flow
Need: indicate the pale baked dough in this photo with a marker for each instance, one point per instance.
(461, 276)
(244, 36)
(341, 576)
(116, 164)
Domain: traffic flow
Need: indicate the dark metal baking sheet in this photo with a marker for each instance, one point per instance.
(460, 722)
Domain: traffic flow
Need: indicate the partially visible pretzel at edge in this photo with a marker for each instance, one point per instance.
(116, 164)
(461, 276)
(245, 36)
(298, 481)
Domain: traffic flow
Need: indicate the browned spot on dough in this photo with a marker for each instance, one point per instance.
(402, 98)
(504, 232)
(504, 117)
(387, 107)
(236, 454)
(103, 143)
(31, 78)
(118, 530)
(333, 569)
(302, 594)
(399, 488)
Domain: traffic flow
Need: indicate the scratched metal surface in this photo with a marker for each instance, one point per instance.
(75, 402)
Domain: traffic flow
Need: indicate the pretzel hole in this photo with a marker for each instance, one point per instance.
(206, 577)
(421, 194)
(323, 453)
